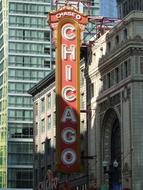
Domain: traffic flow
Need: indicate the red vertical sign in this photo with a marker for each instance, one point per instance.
(67, 23)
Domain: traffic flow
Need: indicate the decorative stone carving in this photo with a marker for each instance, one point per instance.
(126, 94)
(110, 102)
(138, 38)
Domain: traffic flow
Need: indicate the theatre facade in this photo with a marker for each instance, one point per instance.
(114, 76)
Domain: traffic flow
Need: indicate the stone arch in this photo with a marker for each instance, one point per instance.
(111, 144)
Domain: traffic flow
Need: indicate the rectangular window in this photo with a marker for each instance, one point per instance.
(12, 87)
(49, 101)
(19, 20)
(12, 20)
(117, 75)
(26, 21)
(23, 177)
(40, 9)
(43, 105)
(33, 48)
(112, 77)
(122, 72)
(34, 22)
(19, 114)
(19, 74)
(47, 35)
(19, 7)
(26, 60)
(54, 97)
(27, 115)
(11, 101)
(141, 65)
(40, 35)
(12, 60)
(49, 121)
(27, 87)
(126, 68)
(19, 47)
(82, 100)
(19, 60)
(48, 146)
(104, 82)
(19, 87)
(34, 8)
(43, 147)
(82, 78)
(129, 67)
(40, 75)
(91, 90)
(19, 101)
(47, 50)
(26, 47)
(27, 74)
(34, 75)
(43, 125)
(92, 2)
(12, 33)
(12, 7)
(47, 63)
(11, 114)
(54, 119)
(108, 80)
(36, 109)
(12, 47)
(12, 73)
(19, 34)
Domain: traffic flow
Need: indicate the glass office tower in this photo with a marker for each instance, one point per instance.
(25, 58)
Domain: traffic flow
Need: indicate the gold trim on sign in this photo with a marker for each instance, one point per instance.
(58, 86)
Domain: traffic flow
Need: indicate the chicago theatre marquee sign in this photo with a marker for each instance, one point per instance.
(67, 24)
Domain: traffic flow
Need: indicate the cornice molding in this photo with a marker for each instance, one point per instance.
(130, 47)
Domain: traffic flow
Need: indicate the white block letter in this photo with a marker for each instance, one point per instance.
(68, 51)
(68, 93)
(68, 115)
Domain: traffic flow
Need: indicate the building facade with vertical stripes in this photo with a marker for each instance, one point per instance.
(25, 58)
